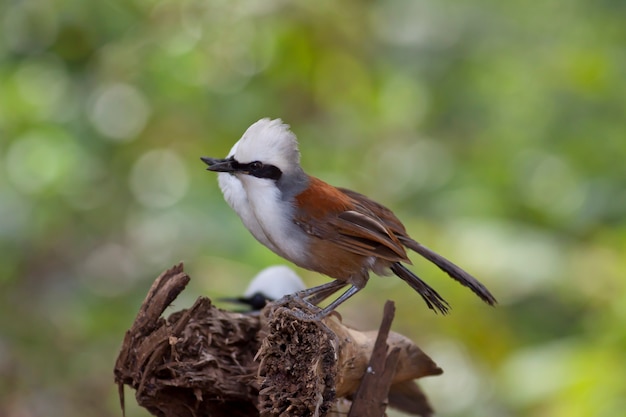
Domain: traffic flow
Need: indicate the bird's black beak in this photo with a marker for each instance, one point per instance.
(219, 165)
(237, 300)
(254, 302)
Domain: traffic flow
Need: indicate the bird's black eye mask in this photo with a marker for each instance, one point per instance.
(257, 301)
(231, 165)
(258, 169)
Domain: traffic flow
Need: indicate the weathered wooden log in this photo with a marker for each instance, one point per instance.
(204, 361)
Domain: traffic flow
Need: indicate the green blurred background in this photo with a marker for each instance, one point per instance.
(495, 130)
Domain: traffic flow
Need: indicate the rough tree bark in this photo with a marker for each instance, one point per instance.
(204, 361)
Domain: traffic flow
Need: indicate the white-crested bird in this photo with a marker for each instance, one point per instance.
(270, 284)
(334, 231)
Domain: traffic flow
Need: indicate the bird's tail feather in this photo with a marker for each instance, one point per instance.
(433, 300)
(452, 270)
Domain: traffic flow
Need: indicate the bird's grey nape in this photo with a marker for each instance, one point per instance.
(292, 183)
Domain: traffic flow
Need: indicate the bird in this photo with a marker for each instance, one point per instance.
(330, 230)
(271, 284)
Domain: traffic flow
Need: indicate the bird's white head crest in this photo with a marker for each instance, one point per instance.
(275, 282)
(268, 141)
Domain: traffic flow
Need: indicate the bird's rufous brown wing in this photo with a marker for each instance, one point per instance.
(384, 214)
(357, 233)
(345, 222)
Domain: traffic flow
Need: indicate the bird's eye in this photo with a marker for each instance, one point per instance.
(260, 170)
(255, 166)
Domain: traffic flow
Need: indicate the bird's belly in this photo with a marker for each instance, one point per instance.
(329, 259)
(275, 228)
(290, 244)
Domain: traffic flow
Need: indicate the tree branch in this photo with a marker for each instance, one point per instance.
(204, 361)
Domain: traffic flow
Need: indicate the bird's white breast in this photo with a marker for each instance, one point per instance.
(236, 197)
(270, 219)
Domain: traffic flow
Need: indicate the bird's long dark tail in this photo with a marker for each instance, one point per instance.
(433, 300)
(452, 270)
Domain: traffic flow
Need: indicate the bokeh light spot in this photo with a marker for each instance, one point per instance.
(43, 83)
(414, 23)
(524, 260)
(454, 393)
(159, 178)
(110, 270)
(550, 184)
(539, 372)
(37, 159)
(30, 26)
(151, 234)
(119, 112)
(411, 165)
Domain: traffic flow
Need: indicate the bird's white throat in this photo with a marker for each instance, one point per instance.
(259, 204)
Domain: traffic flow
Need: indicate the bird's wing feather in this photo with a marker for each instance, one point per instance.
(335, 215)
(360, 232)
(395, 226)
(391, 222)
(357, 225)
(451, 269)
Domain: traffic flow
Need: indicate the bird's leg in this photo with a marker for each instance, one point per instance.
(318, 294)
(329, 308)
(309, 297)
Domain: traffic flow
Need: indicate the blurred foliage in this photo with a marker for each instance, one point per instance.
(495, 130)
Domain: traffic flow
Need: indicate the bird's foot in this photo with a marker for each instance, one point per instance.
(302, 309)
(308, 317)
